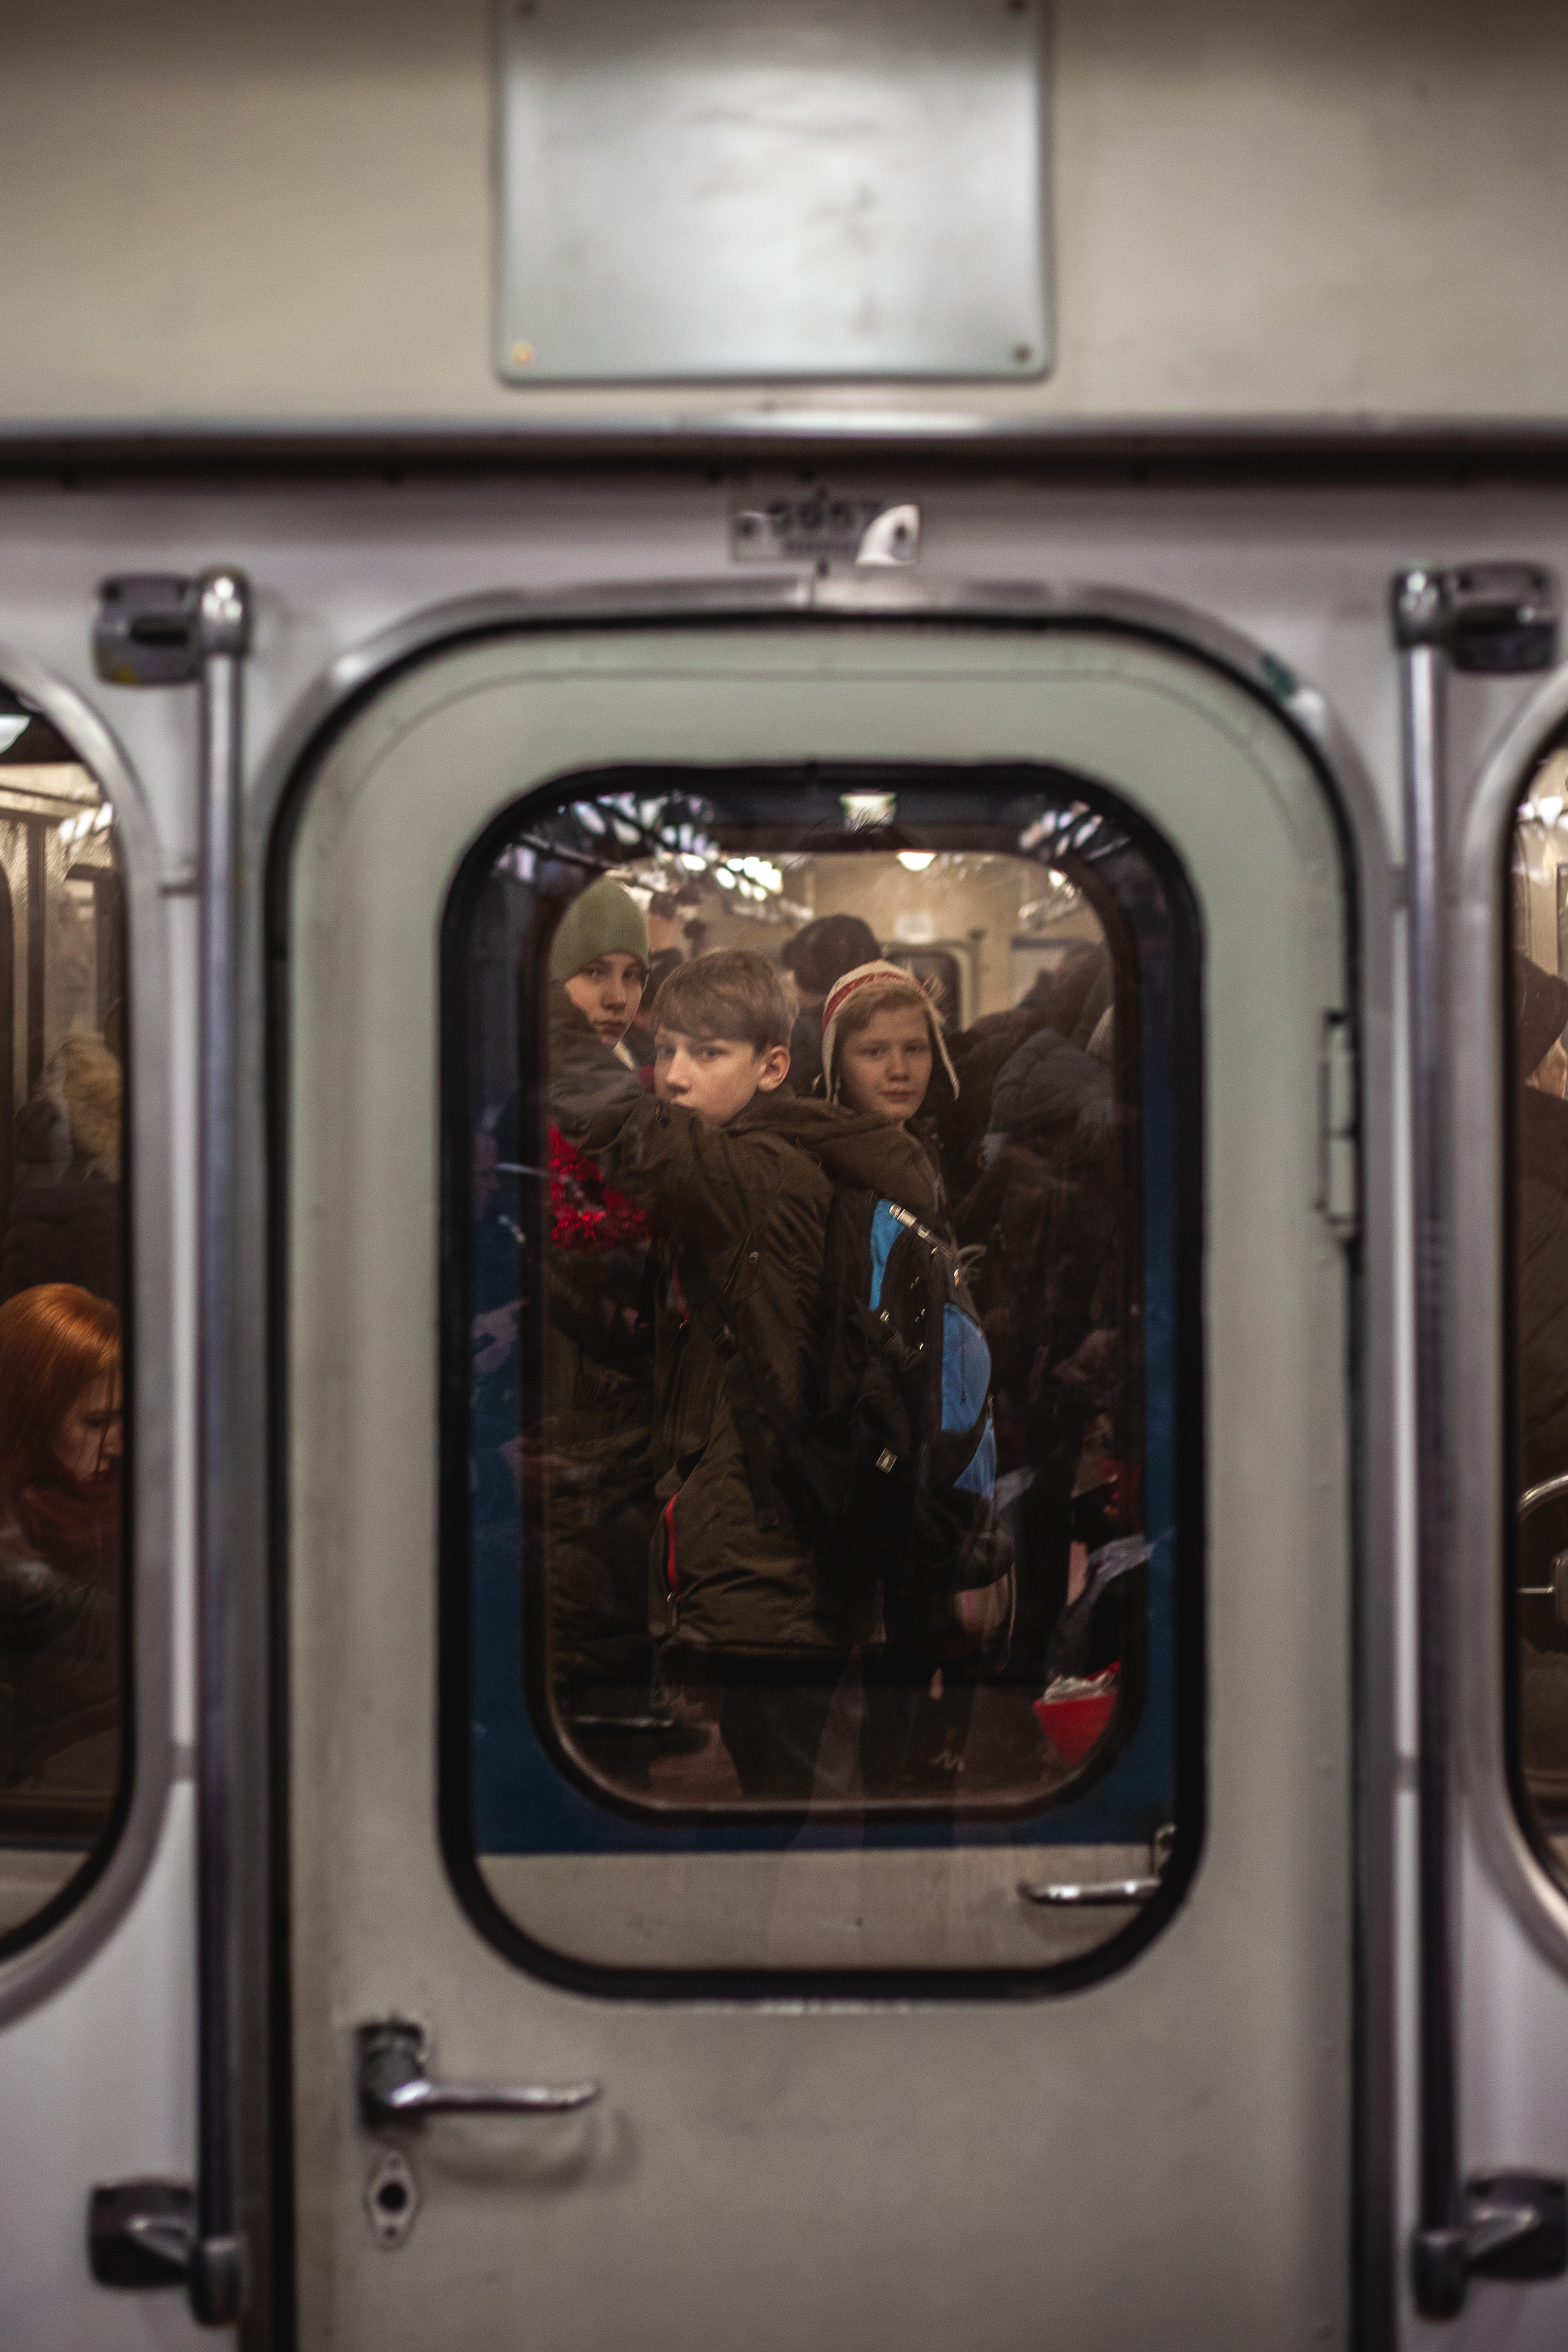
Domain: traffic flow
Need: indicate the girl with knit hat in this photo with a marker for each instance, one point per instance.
(883, 1050)
(883, 1043)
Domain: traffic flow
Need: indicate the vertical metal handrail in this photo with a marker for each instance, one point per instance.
(1420, 624)
(217, 2267)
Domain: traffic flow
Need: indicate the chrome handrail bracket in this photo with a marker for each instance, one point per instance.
(1421, 615)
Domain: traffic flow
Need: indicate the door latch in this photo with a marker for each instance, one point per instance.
(147, 630)
(1515, 2226)
(1497, 620)
(141, 2233)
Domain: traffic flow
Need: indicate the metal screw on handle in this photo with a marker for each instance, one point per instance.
(394, 2087)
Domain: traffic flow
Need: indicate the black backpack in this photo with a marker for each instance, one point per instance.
(891, 1476)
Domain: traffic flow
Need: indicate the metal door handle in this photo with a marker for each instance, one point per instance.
(394, 2087)
(1102, 1892)
(1099, 1891)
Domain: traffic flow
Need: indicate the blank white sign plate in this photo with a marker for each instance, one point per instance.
(702, 191)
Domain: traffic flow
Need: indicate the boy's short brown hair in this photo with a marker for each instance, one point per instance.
(734, 993)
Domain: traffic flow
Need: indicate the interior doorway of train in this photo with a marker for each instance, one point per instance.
(64, 1642)
(1032, 1119)
(597, 1797)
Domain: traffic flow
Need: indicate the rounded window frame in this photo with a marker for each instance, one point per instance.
(1367, 879)
(45, 1951)
(1483, 1158)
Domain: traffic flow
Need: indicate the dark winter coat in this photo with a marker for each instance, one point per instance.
(1069, 1002)
(599, 1399)
(1051, 1094)
(59, 1660)
(1541, 1241)
(746, 1208)
(69, 1231)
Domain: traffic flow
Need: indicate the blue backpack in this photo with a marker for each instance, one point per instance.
(891, 1476)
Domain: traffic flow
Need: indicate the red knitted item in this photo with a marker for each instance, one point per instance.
(585, 1213)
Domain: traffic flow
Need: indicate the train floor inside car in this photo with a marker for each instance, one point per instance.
(982, 1746)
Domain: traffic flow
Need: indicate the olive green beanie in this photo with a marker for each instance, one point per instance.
(606, 921)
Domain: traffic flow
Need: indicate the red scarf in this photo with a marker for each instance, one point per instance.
(586, 1213)
(74, 1524)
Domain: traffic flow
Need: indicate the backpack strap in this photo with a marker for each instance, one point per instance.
(745, 1406)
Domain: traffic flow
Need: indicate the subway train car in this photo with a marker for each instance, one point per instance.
(783, 966)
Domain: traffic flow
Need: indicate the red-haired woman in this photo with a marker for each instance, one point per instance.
(59, 1538)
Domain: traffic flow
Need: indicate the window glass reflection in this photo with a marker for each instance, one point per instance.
(63, 1597)
(811, 1468)
(1540, 1017)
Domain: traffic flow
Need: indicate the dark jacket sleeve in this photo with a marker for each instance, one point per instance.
(40, 1606)
(707, 1183)
(588, 1082)
(1542, 1330)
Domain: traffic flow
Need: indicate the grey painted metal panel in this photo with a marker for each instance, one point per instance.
(336, 562)
(700, 191)
(1256, 1965)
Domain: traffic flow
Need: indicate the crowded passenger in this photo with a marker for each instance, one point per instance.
(1046, 1214)
(65, 1217)
(882, 1045)
(1540, 1017)
(60, 1444)
(883, 1050)
(1541, 1066)
(696, 1281)
(1068, 999)
(817, 959)
(599, 1347)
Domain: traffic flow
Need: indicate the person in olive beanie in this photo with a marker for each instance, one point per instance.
(599, 955)
(599, 1360)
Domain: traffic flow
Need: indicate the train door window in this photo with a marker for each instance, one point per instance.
(812, 1473)
(64, 1579)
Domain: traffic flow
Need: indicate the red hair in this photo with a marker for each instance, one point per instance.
(54, 1341)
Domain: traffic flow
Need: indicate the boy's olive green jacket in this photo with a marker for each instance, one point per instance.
(746, 1209)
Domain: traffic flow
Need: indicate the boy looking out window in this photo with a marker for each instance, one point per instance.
(740, 1172)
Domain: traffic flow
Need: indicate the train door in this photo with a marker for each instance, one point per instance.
(664, 1967)
(1506, 2117)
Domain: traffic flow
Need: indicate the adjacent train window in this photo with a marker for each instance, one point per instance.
(820, 1394)
(63, 1587)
